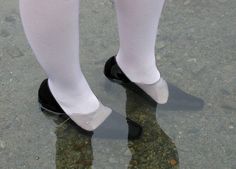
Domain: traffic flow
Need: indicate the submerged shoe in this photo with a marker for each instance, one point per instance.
(114, 73)
(115, 126)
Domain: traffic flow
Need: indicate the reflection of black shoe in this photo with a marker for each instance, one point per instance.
(114, 73)
(115, 126)
(179, 100)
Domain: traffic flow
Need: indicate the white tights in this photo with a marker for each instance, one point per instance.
(52, 30)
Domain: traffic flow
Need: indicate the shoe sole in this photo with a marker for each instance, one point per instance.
(51, 112)
(58, 114)
(44, 109)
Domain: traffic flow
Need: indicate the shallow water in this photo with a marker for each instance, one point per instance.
(195, 130)
(154, 149)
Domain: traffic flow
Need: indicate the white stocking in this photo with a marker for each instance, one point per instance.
(138, 23)
(52, 30)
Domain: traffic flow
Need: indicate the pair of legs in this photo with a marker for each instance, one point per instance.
(52, 29)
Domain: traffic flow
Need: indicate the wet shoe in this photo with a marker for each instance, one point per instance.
(179, 100)
(115, 126)
(114, 73)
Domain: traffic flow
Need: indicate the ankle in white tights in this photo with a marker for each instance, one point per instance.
(138, 24)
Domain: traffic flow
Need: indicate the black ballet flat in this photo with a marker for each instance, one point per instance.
(115, 126)
(114, 73)
(178, 99)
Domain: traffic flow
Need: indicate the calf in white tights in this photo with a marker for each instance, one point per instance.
(52, 30)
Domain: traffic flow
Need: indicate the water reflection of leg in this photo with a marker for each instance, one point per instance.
(79, 151)
(110, 154)
(155, 149)
(73, 149)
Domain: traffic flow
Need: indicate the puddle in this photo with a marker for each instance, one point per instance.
(155, 149)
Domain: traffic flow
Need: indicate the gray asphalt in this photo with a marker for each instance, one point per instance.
(195, 52)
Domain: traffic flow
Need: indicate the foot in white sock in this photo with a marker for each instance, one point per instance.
(158, 90)
(102, 123)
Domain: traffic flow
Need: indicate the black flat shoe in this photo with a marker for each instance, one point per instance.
(178, 99)
(114, 73)
(115, 126)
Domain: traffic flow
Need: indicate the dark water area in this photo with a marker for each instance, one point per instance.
(155, 149)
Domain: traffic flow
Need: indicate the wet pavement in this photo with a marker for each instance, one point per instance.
(195, 130)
